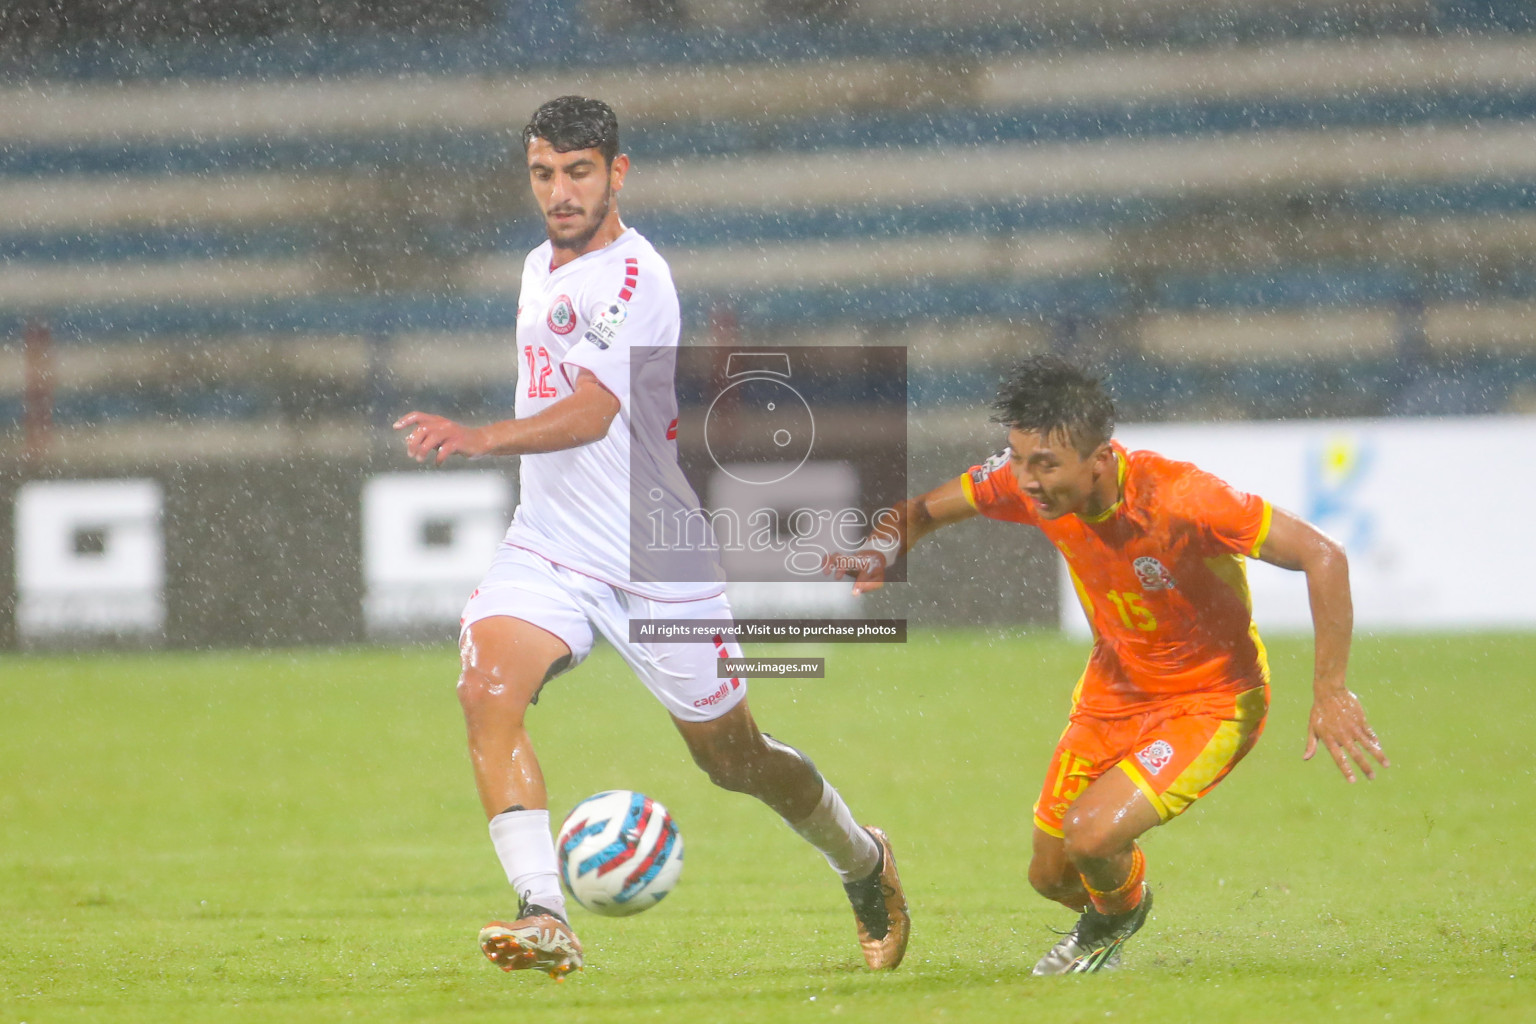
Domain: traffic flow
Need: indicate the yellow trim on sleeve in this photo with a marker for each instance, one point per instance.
(968, 488)
(1264, 523)
(1048, 830)
(1153, 797)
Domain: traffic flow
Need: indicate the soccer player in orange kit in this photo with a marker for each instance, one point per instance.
(1177, 686)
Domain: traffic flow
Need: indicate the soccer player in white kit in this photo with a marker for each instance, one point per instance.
(591, 294)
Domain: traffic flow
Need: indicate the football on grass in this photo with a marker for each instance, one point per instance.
(620, 853)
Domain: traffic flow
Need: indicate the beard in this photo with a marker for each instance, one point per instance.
(578, 235)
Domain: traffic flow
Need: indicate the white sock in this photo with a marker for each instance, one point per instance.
(527, 854)
(831, 829)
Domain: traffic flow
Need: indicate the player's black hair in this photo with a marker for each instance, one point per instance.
(575, 122)
(1048, 395)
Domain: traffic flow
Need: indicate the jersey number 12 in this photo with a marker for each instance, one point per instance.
(539, 370)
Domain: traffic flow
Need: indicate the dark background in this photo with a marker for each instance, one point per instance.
(271, 555)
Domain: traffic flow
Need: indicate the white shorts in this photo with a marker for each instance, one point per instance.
(528, 586)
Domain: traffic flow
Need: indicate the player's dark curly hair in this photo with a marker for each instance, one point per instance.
(575, 122)
(1048, 395)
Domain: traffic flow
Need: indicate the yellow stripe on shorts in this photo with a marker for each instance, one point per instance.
(1218, 753)
(1230, 737)
(1131, 768)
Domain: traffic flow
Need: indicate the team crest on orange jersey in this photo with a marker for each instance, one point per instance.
(1156, 756)
(1152, 574)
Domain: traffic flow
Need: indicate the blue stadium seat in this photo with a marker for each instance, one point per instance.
(1108, 296)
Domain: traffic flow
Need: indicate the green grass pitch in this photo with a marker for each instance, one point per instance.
(294, 836)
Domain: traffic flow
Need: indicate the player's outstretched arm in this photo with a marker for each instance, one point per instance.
(1337, 720)
(577, 419)
(895, 534)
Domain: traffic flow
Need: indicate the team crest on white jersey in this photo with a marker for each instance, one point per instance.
(1156, 756)
(992, 465)
(562, 315)
(606, 320)
(1152, 574)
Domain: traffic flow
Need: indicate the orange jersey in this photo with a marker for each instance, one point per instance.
(1161, 577)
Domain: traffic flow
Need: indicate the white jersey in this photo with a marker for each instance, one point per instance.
(594, 313)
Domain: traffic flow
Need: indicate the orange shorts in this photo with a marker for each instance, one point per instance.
(1174, 753)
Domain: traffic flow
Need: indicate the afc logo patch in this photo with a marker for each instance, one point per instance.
(1152, 574)
(997, 461)
(562, 315)
(606, 321)
(1156, 756)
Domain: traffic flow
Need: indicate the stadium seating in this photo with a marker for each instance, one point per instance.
(1300, 216)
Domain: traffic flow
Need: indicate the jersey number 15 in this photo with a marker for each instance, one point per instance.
(1133, 610)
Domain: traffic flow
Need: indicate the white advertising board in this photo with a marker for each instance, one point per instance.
(784, 578)
(427, 540)
(90, 559)
(1407, 498)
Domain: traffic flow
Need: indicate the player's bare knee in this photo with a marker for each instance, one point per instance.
(473, 689)
(480, 691)
(1087, 838)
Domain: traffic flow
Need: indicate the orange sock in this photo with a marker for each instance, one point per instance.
(1128, 896)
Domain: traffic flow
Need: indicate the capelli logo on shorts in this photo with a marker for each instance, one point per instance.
(716, 697)
(1156, 756)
